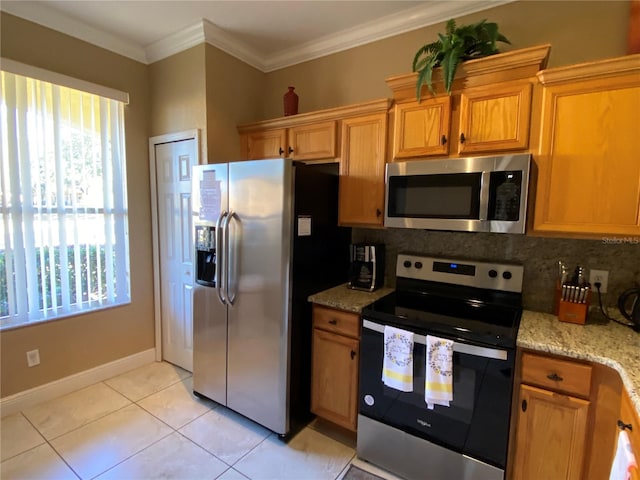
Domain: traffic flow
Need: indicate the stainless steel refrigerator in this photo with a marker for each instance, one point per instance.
(266, 237)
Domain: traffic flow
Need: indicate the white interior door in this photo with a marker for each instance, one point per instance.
(173, 167)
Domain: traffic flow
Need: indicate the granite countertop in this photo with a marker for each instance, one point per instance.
(599, 340)
(344, 298)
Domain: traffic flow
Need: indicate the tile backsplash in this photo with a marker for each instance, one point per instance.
(620, 256)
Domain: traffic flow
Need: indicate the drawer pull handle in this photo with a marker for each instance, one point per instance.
(622, 425)
(524, 405)
(555, 377)
(333, 321)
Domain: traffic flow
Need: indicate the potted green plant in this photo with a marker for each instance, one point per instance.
(457, 45)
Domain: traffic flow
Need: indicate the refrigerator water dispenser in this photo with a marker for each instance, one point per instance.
(205, 255)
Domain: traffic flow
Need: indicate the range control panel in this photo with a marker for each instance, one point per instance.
(495, 276)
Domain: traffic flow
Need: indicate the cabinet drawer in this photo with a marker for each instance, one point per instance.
(629, 416)
(337, 321)
(555, 374)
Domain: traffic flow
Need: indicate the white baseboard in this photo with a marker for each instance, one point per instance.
(22, 400)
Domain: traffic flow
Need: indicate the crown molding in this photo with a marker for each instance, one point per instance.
(424, 15)
(204, 31)
(175, 43)
(43, 15)
(226, 42)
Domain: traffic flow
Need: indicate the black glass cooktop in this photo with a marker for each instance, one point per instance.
(473, 315)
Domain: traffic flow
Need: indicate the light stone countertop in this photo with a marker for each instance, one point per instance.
(608, 343)
(344, 298)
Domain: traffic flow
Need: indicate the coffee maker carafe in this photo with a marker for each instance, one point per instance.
(366, 271)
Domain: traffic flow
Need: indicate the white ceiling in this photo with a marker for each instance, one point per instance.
(266, 34)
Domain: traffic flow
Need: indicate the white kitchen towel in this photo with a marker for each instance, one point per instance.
(438, 387)
(624, 461)
(397, 366)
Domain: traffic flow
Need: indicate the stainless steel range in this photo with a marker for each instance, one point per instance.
(474, 307)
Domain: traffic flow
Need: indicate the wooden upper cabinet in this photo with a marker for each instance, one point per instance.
(588, 168)
(265, 144)
(364, 141)
(312, 142)
(495, 117)
(422, 129)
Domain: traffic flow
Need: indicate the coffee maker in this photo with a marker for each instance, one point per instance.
(366, 271)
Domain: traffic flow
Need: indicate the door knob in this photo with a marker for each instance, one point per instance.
(353, 354)
(443, 140)
(462, 138)
(280, 151)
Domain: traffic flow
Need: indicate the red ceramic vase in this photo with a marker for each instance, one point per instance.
(290, 102)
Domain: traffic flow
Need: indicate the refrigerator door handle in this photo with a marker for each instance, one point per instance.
(218, 277)
(230, 259)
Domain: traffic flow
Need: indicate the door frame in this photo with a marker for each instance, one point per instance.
(153, 141)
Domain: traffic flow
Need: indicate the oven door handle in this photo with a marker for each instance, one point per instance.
(459, 347)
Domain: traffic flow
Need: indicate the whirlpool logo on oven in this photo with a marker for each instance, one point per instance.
(423, 423)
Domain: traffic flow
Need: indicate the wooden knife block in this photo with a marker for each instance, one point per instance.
(569, 311)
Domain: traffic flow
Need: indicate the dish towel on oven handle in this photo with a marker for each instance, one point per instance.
(624, 461)
(397, 365)
(438, 388)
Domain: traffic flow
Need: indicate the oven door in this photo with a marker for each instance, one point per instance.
(476, 423)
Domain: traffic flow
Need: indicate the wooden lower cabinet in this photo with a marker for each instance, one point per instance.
(551, 435)
(631, 422)
(334, 366)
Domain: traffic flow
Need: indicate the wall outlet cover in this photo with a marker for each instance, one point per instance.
(33, 358)
(601, 276)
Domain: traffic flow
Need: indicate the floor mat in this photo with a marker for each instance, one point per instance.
(355, 473)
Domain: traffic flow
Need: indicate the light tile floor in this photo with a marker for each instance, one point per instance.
(147, 424)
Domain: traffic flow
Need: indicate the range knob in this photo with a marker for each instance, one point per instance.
(493, 273)
(506, 275)
(418, 265)
(407, 264)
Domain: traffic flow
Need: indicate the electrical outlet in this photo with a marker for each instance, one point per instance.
(33, 357)
(601, 276)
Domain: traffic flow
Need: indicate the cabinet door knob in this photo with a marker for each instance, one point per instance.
(524, 405)
(353, 355)
(462, 138)
(333, 321)
(555, 377)
(290, 149)
(280, 151)
(443, 140)
(621, 424)
(378, 212)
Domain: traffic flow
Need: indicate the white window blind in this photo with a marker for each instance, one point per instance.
(64, 229)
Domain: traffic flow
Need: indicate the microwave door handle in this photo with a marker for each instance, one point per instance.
(485, 183)
(218, 277)
(464, 348)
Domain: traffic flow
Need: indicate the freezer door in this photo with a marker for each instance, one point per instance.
(210, 200)
(259, 229)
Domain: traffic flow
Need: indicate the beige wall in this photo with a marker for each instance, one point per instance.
(234, 96)
(177, 89)
(71, 345)
(578, 31)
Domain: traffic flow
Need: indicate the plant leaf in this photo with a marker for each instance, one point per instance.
(449, 66)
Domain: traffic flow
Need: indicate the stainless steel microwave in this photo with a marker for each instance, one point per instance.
(478, 194)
